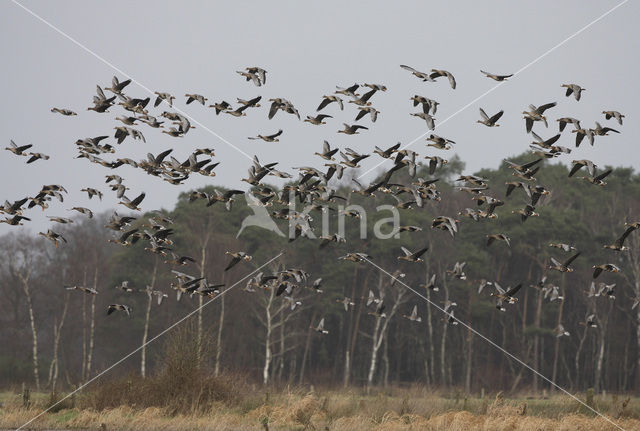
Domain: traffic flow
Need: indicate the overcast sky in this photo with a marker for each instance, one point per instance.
(308, 48)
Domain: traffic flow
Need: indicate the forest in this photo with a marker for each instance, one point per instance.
(54, 337)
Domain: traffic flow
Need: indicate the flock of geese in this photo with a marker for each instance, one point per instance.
(313, 187)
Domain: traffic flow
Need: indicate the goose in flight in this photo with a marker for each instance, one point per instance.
(373, 113)
(559, 331)
(609, 267)
(526, 212)
(437, 73)
(581, 133)
(490, 121)
(579, 164)
(352, 129)
(563, 247)
(613, 114)
(68, 112)
(562, 122)
(349, 91)
(420, 75)
(92, 192)
(326, 100)
(431, 284)
(124, 286)
(119, 307)
(132, 204)
(37, 156)
(179, 260)
(496, 77)
(598, 179)
(221, 107)
(325, 240)
(18, 150)
(346, 303)
(413, 256)
(15, 220)
(603, 131)
(574, 89)
(83, 210)
(117, 86)
(320, 327)
(618, 244)
(236, 257)
(355, 257)
(590, 321)
(53, 236)
(318, 119)
(364, 99)
(458, 271)
(426, 117)
(563, 267)
(536, 114)
(61, 220)
(163, 96)
(428, 105)
(505, 295)
(327, 152)
(414, 315)
(84, 289)
(269, 138)
(196, 97)
(498, 237)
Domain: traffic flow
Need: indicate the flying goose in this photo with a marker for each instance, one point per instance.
(437, 73)
(613, 114)
(132, 204)
(431, 284)
(428, 105)
(352, 129)
(179, 260)
(326, 100)
(575, 89)
(254, 77)
(562, 122)
(618, 244)
(412, 256)
(446, 223)
(505, 295)
(68, 112)
(320, 327)
(563, 247)
(379, 311)
(578, 164)
(83, 210)
(597, 180)
(124, 286)
(426, 117)
(355, 257)
(490, 121)
(53, 236)
(346, 303)
(559, 331)
(84, 289)
(61, 220)
(526, 212)
(196, 97)
(325, 240)
(37, 156)
(117, 86)
(119, 307)
(237, 257)
(581, 133)
(457, 271)
(609, 267)
(163, 96)
(221, 107)
(18, 150)
(536, 114)
(349, 91)
(563, 267)
(590, 321)
(373, 113)
(15, 220)
(420, 75)
(269, 138)
(603, 131)
(414, 315)
(327, 152)
(435, 162)
(496, 77)
(364, 99)
(498, 237)
(124, 238)
(318, 119)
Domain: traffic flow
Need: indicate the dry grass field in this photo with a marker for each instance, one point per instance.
(328, 410)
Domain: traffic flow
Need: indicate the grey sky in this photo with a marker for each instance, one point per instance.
(308, 48)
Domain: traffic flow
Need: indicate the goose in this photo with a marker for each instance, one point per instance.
(618, 244)
(179, 260)
(226, 197)
(356, 257)
(18, 150)
(61, 220)
(613, 114)
(251, 103)
(496, 77)
(559, 331)
(318, 119)
(117, 86)
(578, 164)
(498, 237)
(119, 307)
(124, 238)
(592, 292)
(320, 327)
(435, 162)
(440, 142)
(597, 180)
(536, 114)
(132, 204)
(603, 131)
(349, 91)
(326, 239)
(608, 290)
(590, 321)
(414, 315)
(426, 117)
(527, 175)
(53, 236)
(238, 112)
(505, 295)
(197, 97)
(581, 133)
(237, 257)
(609, 267)
(474, 180)
(526, 212)
(379, 311)
(492, 203)
(437, 73)
(221, 107)
(317, 283)
(562, 122)
(548, 143)
(163, 96)
(575, 89)
(404, 205)
(553, 292)
(130, 121)
(373, 113)
(101, 103)
(92, 192)
(352, 161)
(352, 129)
(346, 303)
(420, 75)
(563, 247)
(563, 267)
(284, 105)
(446, 223)
(413, 256)
(368, 191)
(364, 99)
(483, 283)
(84, 289)
(431, 284)
(124, 286)
(457, 271)
(83, 210)
(68, 112)
(525, 167)
(37, 156)
(176, 133)
(326, 100)
(117, 222)
(262, 74)
(327, 152)
(269, 138)
(490, 121)
(377, 87)
(15, 220)
(254, 77)
(428, 105)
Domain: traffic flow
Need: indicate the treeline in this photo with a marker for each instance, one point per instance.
(52, 336)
